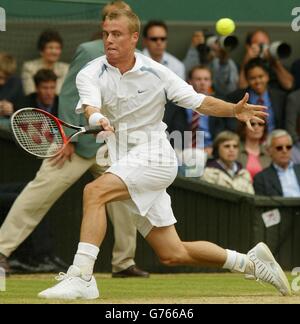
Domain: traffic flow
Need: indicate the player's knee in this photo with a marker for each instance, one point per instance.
(92, 192)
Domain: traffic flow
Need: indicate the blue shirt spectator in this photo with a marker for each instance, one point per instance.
(288, 180)
(265, 100)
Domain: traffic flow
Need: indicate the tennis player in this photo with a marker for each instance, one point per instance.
(126, 93)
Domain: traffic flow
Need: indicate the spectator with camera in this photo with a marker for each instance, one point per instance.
(11, 90)
(257, 76)
(50, 46)
(258, 44)
(155, 40)
(215, 51)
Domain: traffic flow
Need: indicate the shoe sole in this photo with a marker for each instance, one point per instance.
(282, 275)
(66, 298)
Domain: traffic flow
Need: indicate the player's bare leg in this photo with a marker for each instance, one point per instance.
(259, 262)
(79, 281)
(106, 188)
(172, 251)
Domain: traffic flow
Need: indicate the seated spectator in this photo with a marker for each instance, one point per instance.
(282, 177)
(11, 90)
(50, 46)
(155, 39)
(293, 122)
(224, 70)
(260, 93)
(186, 120)
(253, 155)
(224, 170)
(257, 43)
(296, 73)
(44, 98)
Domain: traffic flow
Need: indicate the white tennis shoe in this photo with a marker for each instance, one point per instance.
(71, 286)
(267, 269)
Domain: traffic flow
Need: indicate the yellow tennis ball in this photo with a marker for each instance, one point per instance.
(225, 26)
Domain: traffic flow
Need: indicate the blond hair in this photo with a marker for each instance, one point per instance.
(134, 23)
(114, 5)
(8, 64)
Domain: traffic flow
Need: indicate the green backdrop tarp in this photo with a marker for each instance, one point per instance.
(171, 10)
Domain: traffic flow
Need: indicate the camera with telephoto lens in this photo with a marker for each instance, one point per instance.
(228, 43)
(278, 50)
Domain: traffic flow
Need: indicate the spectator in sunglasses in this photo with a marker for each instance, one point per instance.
(282, 177)
(224, 169)
(253, 155)
(257, 75)
(155, 37)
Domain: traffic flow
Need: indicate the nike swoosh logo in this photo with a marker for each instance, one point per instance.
(141, 91)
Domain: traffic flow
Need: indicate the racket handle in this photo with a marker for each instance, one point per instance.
(93, 129)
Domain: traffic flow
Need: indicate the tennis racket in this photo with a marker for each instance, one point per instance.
(41, 134)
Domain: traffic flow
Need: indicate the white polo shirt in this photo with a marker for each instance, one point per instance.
(136, 98)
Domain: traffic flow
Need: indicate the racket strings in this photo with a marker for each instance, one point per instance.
(37, 133)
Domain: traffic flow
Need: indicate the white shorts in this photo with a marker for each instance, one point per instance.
(147, 172)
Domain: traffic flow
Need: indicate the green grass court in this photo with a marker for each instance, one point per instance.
(169, 289)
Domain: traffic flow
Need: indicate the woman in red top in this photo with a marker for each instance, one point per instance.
(253, 156)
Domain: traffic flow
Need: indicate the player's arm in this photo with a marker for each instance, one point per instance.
(242, 110)
(179, 92)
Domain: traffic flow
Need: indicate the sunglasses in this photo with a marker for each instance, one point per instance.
(156, 39)
(253, 124)
(281, 147)
(235, 146)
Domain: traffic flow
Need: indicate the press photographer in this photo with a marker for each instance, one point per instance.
(258, 44)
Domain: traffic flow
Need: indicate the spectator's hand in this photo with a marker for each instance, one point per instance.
(6, 108)
(246, 112)
(198, 38)
(64, 155)
(252, 51)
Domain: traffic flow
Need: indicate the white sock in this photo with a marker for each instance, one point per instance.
(85, 259)
(238, 262)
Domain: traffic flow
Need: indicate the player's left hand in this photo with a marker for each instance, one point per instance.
(246, 112)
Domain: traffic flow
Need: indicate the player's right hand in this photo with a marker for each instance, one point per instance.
(108, 129)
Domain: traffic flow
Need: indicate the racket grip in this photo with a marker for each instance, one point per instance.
(93, 129)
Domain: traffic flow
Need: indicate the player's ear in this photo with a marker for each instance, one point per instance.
(135, 36)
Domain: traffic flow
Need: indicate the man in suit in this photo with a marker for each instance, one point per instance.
(282, 177)
(78, 157)
(260, 93)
